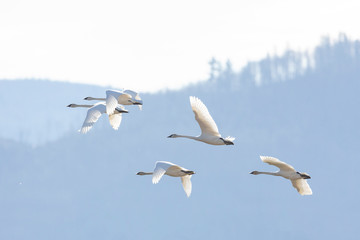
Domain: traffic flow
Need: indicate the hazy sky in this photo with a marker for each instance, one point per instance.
(150, 45)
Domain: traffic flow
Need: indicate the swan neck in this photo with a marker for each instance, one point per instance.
(186, 136)
(269, 173)
(91, 98)
(82, 105)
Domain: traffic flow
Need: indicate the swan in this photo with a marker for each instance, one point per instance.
(297, 179)
(94, 113)
(115, 97)
(173, 170)
(209, 131)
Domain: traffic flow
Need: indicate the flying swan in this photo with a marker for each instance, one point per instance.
(297, 179)
(94, 113)
(115, 97)
(209, 131)
(170, 169)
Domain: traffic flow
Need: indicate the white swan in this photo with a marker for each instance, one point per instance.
(94, 113)
(209, 131)
(170, 169)
(287, 171)
(115, 97)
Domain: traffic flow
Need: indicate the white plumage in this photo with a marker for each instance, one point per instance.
(94, 113)
(209, 131)
(115, 97)
(167, 168)
(297, 179)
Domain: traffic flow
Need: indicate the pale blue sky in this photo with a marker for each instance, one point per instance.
(151, 45)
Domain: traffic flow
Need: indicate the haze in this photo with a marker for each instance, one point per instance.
(153, 45)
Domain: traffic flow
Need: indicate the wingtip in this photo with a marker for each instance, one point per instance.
(155, 181)
(265, 157)
(83, 130)
(193, 99)
(306, 193)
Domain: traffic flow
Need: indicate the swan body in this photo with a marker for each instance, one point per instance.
(94, 113)
(173, 170)
(209, 131)
(115, 97)
(297, 179)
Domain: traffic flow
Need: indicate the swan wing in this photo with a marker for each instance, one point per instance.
(93, 114)
(133, 94)
(160, 169)
(113, 97)
(203, 117)
(276, 162)
(186, 182)
(111, 101)
(115, 120)
(302, 186)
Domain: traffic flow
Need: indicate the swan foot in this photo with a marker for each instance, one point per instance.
(188, 172)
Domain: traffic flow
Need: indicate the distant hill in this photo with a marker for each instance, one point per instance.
(301, 108)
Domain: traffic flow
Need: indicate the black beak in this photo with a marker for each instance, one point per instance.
(69, 105)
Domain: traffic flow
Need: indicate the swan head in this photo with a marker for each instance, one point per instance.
(304, 175)
(89, 98)
(173, 136)
(140, 173)
(254, 172)
(188, 172)
(71, 105)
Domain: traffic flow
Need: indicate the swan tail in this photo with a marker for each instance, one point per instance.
(228, 138)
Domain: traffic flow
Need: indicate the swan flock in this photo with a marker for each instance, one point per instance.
(113, 106)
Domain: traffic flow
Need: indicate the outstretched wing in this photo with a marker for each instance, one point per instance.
(111, 100)
(93, 114)
(186, 182)
(203, 117)
(159, 171)
(302, 186)
(276, 162)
